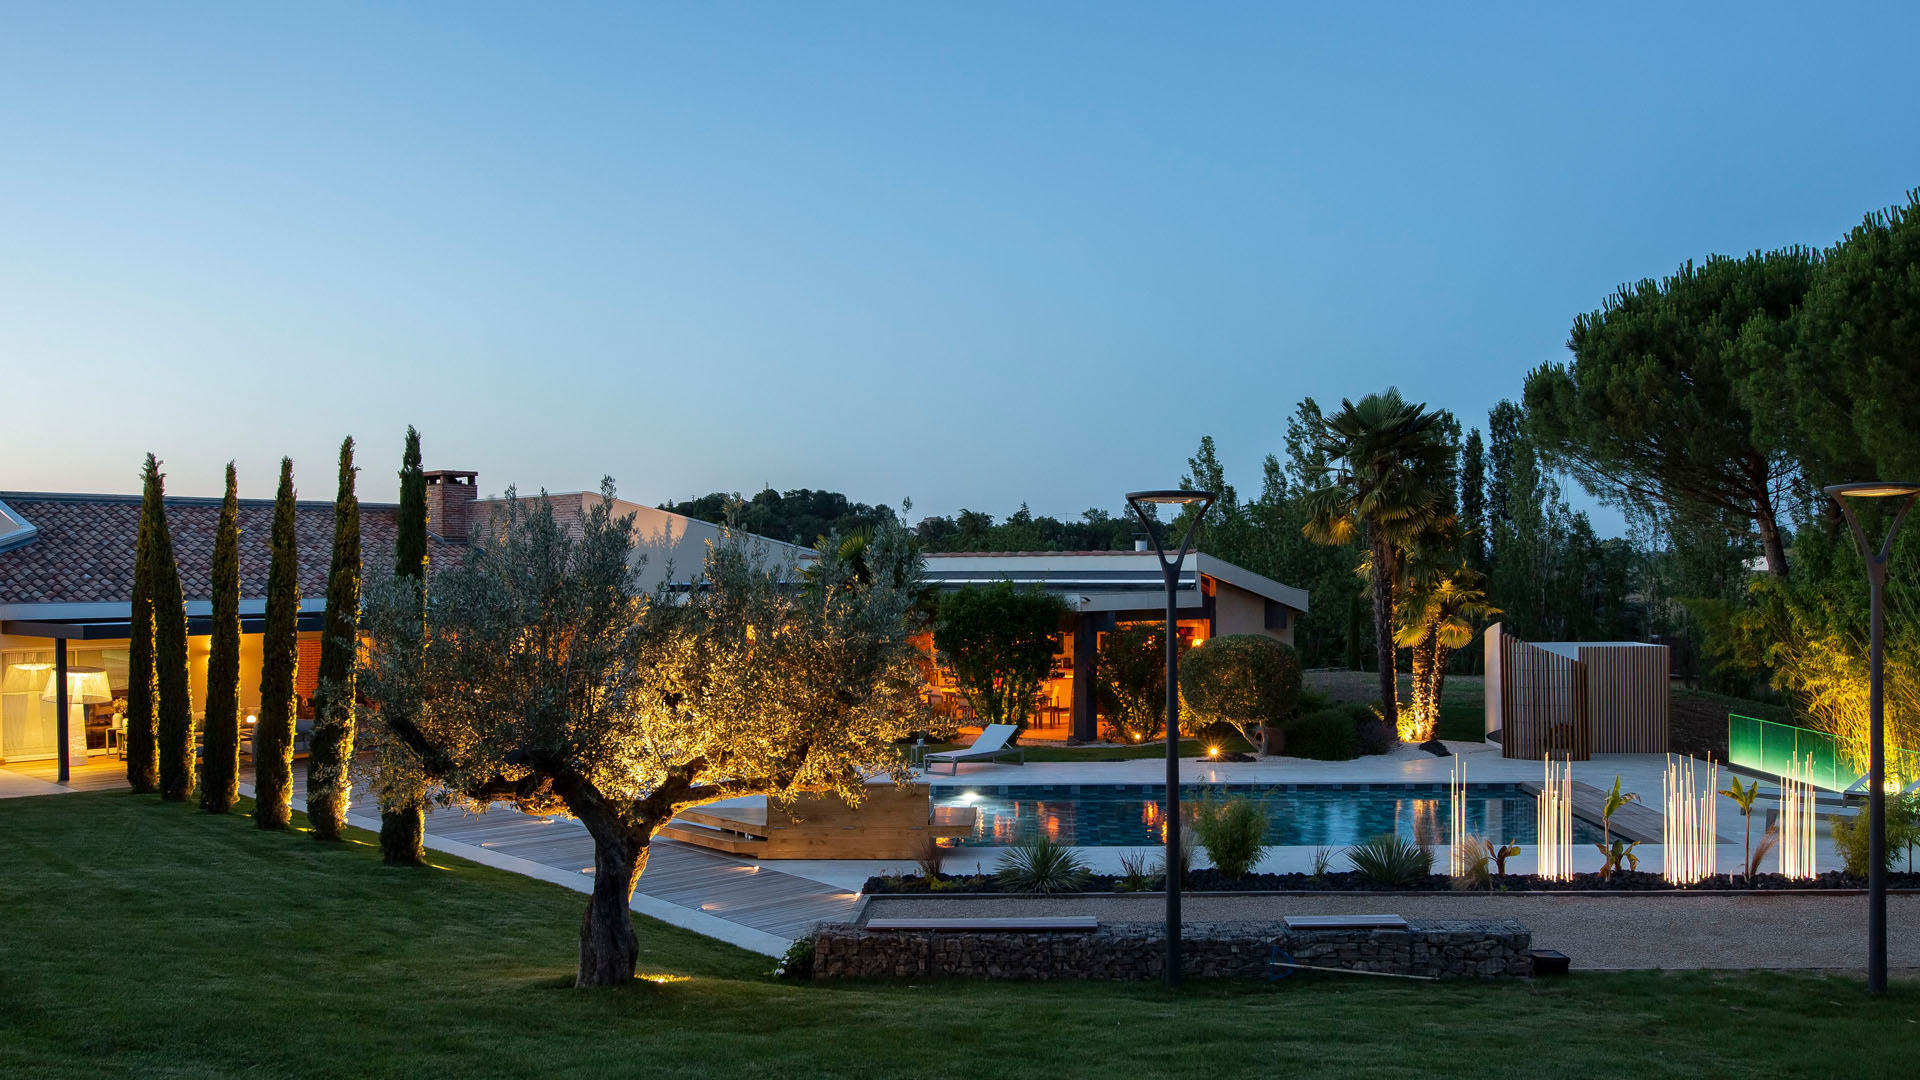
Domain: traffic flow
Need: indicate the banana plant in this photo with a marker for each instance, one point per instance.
(1615, 851)
(1501, 853)
(1744, 798)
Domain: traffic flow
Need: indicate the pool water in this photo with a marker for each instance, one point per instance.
(1306, 815)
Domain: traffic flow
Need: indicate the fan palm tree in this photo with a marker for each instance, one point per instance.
(1441, 615)
(1385, 484)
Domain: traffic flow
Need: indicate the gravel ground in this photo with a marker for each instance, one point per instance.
(1598, 932)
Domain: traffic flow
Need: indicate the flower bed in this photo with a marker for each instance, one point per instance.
(1349, 881)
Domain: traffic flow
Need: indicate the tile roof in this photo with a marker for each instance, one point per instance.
(84, 550)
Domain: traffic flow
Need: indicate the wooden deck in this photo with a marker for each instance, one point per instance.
(104, 773)
(736, 890)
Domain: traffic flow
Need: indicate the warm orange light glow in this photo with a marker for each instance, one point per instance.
(1213, 751)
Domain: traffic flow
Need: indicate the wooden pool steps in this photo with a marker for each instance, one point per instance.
(890, 823)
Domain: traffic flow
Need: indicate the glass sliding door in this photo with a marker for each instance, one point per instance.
(29, 727)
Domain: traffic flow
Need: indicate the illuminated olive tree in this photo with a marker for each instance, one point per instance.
(549, 681)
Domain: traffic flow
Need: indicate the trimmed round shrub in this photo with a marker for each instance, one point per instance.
(1243, 680)
(1326, 735)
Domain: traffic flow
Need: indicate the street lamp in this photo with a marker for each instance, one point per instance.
(1170, 573)
(1903, 494)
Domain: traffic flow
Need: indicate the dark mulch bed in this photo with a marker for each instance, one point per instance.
(1349, 881)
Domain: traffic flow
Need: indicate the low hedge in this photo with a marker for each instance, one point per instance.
(1339, 733)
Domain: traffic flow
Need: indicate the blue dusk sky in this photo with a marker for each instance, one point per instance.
(975, 254)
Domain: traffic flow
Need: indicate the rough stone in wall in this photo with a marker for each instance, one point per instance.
(1453, 948)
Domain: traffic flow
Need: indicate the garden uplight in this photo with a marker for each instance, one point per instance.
(1213, 751)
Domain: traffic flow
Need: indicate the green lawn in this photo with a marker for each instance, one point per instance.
(149, 940)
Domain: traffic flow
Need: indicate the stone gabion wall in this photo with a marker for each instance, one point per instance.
(1441, 948)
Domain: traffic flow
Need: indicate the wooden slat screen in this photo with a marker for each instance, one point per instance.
(1543, 701)
(1628, 698)
(1613, 699)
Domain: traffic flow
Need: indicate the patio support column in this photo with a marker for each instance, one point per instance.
(61, 724)
(1086, 724)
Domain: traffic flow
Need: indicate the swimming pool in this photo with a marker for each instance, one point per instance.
(1130, 815)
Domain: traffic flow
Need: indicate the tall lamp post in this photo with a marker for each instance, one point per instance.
(1170, 573)
(1903, 496)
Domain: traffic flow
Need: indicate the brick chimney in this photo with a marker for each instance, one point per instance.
(450, 495)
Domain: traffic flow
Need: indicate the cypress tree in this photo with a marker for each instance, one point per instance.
(328, 765)
(143, 773)
(403, 820)
(279, 666)
(220, 774)
(173, 719)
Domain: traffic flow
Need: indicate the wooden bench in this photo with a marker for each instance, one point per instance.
(1345, 922)
(1030, 925)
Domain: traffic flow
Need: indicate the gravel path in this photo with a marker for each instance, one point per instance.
(1599, 932)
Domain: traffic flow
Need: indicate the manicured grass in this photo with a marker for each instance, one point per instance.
(142, 939)
(1463, 720)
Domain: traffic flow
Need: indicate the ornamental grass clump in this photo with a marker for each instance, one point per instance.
(1042, 865)
(1234, 834)
(1391, 861)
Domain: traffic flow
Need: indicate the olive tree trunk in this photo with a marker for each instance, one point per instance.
(608, 949)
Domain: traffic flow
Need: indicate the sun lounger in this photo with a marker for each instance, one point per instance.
(990, 746)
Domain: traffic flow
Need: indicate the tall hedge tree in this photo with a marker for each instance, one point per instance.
(1659, 405)
(279, 668)
(1850, 392)
(999, 642)
(329, 763)
(173, 717)
(402, 793)
(220, 773)
(143, 767)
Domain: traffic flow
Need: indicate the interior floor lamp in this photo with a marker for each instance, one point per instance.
(1902, 496)
(1170, 574)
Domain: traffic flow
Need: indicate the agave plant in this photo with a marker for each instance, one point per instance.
(1392, 861)
(1042, 865)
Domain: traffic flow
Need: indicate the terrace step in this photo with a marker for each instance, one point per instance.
(712, 839)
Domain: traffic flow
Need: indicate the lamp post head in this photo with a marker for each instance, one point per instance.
(1177, 497)
(1873, 489)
